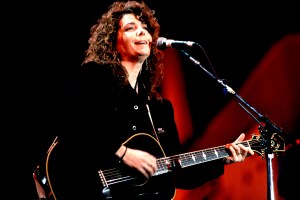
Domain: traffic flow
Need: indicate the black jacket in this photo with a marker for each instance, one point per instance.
(100, 117)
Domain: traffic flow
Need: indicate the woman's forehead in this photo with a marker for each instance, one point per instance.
(129, 18)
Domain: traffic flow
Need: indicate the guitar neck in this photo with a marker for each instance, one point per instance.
(192, 158)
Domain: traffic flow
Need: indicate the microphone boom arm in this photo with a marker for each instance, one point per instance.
(261, 117)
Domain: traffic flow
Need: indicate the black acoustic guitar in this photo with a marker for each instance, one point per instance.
(120, 183)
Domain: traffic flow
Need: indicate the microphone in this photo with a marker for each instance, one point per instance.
(163, 43)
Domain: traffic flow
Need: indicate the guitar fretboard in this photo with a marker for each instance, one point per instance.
(191, 158)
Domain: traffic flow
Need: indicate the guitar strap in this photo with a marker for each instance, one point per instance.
(143, 92)
(152, 124)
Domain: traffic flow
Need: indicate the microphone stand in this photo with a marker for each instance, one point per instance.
(270, 132)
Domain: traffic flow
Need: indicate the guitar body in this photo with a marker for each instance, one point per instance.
(137, 187)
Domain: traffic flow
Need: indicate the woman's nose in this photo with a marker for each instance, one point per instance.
(140, 31)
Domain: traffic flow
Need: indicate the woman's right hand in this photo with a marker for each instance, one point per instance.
(138, 159)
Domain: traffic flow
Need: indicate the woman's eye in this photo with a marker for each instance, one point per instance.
(129, 28)
(145, 27)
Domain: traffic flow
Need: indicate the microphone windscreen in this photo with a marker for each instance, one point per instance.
(161, 43)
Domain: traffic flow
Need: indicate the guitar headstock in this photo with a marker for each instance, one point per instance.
(259, 144)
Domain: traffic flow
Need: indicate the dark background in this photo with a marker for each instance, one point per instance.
(53, 37)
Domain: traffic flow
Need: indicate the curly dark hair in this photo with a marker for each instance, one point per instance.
(102, 44)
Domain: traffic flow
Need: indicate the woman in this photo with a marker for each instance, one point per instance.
(122, 125)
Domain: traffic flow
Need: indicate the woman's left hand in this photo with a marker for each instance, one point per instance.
(238, 152)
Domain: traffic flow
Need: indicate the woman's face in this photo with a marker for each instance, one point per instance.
(134, 40)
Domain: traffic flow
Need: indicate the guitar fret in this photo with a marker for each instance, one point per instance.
(216, 152)
(204, 156)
